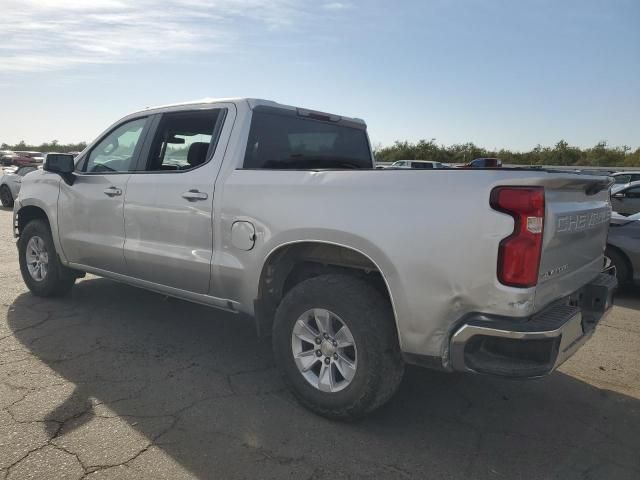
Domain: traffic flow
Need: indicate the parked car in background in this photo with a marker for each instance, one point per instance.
(420, 164)
(483, 163)
(28, 158)
(622, 178)
(623, 248)
(7, 157)
(625, 199)
(10, 184)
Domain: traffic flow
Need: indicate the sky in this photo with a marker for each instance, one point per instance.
(499, 73)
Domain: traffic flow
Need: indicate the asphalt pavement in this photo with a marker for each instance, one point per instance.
(114, 382)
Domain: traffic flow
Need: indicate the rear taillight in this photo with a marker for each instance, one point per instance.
(519, 253)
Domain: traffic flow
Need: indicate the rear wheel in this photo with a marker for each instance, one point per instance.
(623, 270)
(41, 269)
(335, 341)
(5, 197)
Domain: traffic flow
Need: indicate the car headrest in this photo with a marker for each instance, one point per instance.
(197, 154)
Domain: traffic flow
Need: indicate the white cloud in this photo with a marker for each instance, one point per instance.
(336, 6)
(43, 35)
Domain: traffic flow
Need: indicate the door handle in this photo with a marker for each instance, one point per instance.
(194, 195)
(113, 191)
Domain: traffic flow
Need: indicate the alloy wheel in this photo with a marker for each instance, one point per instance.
(37, 258)
(324, 350)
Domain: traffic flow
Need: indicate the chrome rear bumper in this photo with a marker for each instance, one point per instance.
(534, 346)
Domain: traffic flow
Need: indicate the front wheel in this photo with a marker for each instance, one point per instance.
(334, 339)
(41, 269)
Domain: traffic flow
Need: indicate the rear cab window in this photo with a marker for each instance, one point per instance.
(284, 139)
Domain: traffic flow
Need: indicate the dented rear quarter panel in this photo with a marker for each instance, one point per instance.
(432, 234)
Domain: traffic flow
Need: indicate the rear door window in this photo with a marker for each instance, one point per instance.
(184, 140)
(289, 141)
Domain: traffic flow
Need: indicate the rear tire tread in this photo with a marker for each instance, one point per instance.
(386, 367)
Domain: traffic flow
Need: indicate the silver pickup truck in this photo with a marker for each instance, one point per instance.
(278, 212)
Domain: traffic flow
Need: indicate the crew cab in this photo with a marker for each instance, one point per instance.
(279, 212)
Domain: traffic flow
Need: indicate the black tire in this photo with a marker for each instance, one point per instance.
(58, 279)
(369, 317)
(5, 197)
(624, 273)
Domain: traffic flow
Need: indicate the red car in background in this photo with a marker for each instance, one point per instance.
(7, 157)
(24, 159)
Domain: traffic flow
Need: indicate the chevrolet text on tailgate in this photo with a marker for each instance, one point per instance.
(278, 212)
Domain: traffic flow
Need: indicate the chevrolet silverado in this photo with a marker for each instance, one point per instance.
(278, 212)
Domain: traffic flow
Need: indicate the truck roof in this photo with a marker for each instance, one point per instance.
(253, 103)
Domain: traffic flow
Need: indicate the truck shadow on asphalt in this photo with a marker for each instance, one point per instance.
(628, 297)
(199, 390)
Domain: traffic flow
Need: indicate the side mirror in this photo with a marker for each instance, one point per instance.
(61, 163)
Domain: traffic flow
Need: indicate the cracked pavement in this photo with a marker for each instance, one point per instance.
(113, 382)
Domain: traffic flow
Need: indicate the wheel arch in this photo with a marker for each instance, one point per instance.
(32, 210)
(26, 214)
(291, 262)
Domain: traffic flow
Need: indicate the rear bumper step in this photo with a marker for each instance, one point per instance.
(534, 347)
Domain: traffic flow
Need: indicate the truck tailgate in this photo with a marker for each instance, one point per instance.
(577, 212)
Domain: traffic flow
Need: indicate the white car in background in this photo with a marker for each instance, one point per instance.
(622, 178)
(10, 184)
(420, 164)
